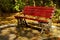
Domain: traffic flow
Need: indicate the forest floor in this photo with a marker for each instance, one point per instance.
(11, 33)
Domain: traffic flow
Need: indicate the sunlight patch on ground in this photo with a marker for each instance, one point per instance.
(55, 31)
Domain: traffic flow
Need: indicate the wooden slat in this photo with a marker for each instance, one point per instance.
(18, 17)
(39, 11)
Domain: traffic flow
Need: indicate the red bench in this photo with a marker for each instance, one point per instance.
(39, 12)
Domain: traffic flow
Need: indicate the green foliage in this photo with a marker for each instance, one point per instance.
(57, 12)
(6, 5)
(57, 15)
(47, 2)
(38, 2)
(44, 3)
(19, 5)
(30, 2)
(11, 5)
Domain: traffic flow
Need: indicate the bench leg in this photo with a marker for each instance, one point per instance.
(21, 24)
(41, 25)
(50, 24)
(44, 27)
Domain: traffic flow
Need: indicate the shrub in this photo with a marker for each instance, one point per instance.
(6, 5)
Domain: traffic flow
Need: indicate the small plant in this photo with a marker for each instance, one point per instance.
(57, 15)
(19, 5)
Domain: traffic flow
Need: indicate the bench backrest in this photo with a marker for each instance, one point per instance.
(39, 11)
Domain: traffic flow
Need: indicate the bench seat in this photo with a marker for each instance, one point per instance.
(44, 21)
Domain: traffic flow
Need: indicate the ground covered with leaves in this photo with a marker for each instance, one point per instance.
(11, 33)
